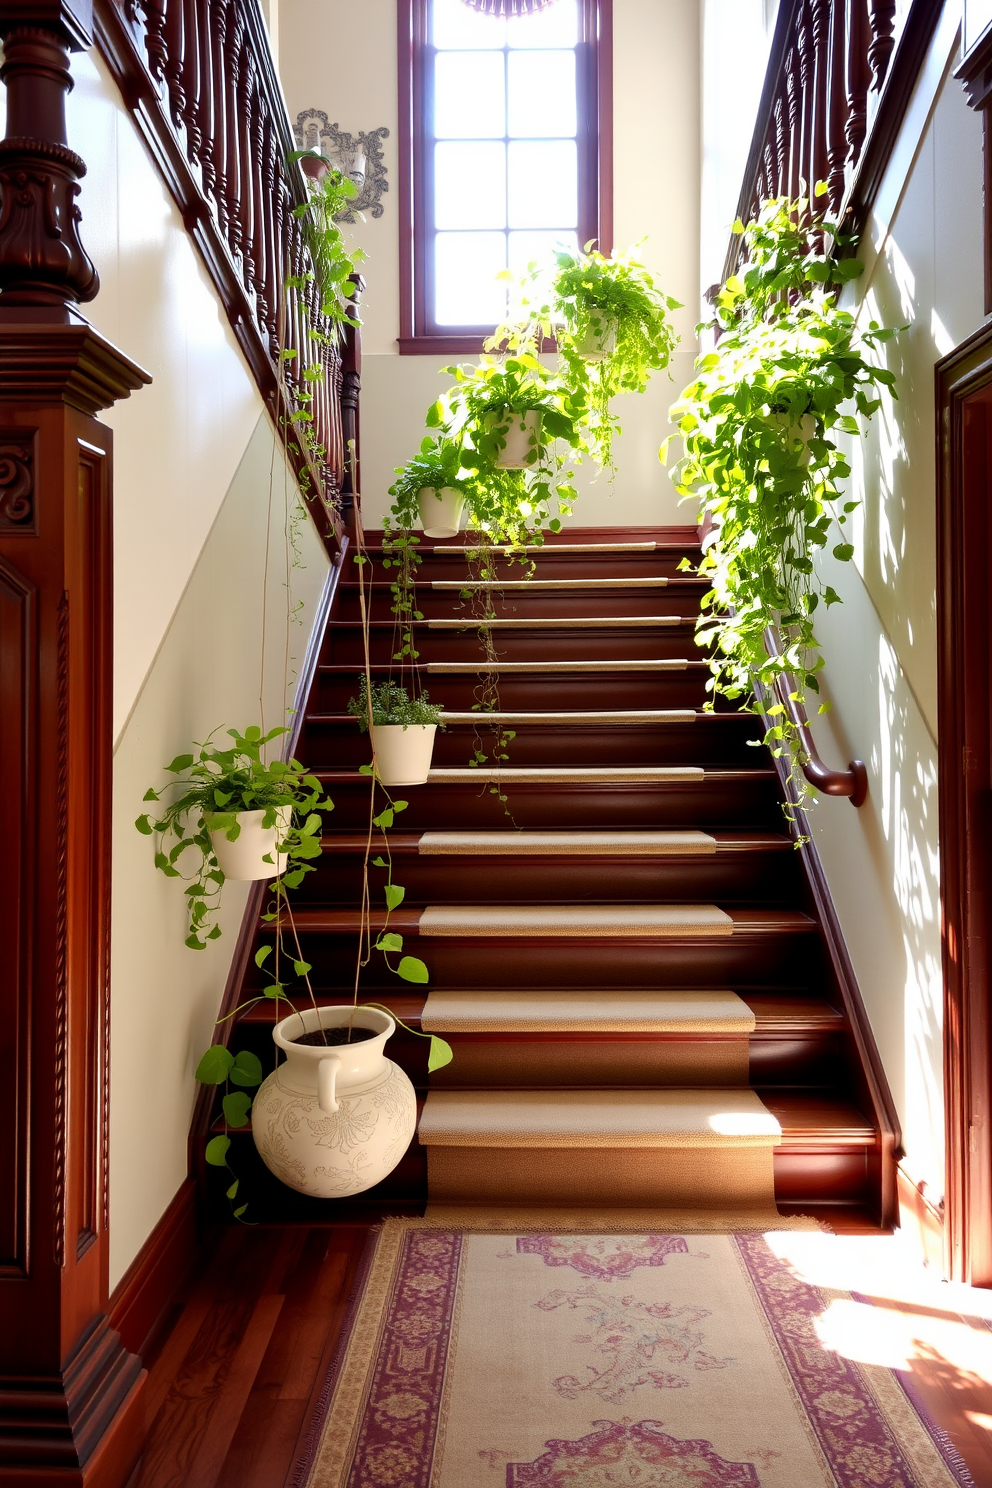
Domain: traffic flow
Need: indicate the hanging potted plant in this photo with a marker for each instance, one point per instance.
(609, 310)
(511, 412)
(402, 729)
(432, 486)
(231, 815)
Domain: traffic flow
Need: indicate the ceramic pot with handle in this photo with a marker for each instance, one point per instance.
(334, 1120)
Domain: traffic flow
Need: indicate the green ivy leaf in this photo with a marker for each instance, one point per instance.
(246, 1069)
(143, 825)
(395, 895)
(232, 1191)
(413, 970)
(262, 954)
(236, 1107)
(215, 1065)
(217, 1150)
(389, 942)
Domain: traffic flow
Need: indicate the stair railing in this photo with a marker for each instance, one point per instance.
(839, 79)
(852, 782)
(200, 82)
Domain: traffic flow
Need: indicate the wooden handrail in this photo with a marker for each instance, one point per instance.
(200, 82)
(839, 79)
(852, 782)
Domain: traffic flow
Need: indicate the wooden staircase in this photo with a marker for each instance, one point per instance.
(612, 742)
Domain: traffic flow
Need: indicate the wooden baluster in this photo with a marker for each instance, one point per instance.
(857, 77)
(269, 308)
(351, 385)
(193, 33)
(218, 107)
(819, 165)
(155, 37)
(781, 151)
(804, 42)
(206, 114)
(249, 164)
(792, 125)
(174, 60)
(836, 105)
(230, 73)
(882, 15)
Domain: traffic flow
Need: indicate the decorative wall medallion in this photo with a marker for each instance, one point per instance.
(358, 156)
(630, 1452)
(17, 504)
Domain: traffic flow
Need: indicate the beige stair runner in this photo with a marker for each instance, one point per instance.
(691, 1148)
(602, 717)
(561, 622)
(620, 920)
(549, 548)
(533, 584)
(569, 775)
(555, 844)
(510, 668)
(547, 1038)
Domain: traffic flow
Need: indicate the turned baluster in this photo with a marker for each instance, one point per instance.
(174, 60)
(250, 165)
(819, 164)
(836, 104)
(882, 15)
(804, 41)
(268, 308)
(231, 70)
(856, 78)
(193, 19)
(155, 37)
(206, 117)
(781, 152)
(217, 93)
(792, 117)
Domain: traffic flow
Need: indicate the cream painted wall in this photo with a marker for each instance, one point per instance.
(656, 165)
(207, 674)
(922, 250)
(199, 484)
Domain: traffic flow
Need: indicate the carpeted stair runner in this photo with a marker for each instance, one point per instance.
(557, 844)
(613, 920)
(686, 1147)
(561, 622)
(559, 1038)
(600, 718)
(513, 668)
(550, 550)
(568, 585)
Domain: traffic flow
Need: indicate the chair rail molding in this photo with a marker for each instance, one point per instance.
(70, 1392)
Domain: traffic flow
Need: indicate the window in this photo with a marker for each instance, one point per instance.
(505, 154)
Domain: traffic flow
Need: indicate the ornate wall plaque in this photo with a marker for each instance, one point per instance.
(358, 156)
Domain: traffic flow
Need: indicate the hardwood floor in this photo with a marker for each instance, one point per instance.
(237, 1374)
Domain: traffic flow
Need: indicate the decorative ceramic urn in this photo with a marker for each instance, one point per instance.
(334, 1120)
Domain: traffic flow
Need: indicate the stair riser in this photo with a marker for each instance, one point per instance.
(703, 742)
(470, 807)
(560, 691)
(345, 647)
(814, 1176)
(645, 565)
(443, 604)
(720, 961)
(743, 878)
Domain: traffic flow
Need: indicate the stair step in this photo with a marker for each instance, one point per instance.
(510, 668)
(557, 1119)
(563, 920)
(560, 622)
(745, 922)
(600, 719)
(563, 1012)
(555, 844)
(409, 843)
(549, 550)
(571, 585)
(509, 775)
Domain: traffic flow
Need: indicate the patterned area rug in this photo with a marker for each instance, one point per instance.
(546, 1360)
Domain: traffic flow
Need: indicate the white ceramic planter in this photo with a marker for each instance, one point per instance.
(803, 429)
(242, 858)
(441, 511)
(599, 341)
(523, 441)
(334, 1121)
(403, 755)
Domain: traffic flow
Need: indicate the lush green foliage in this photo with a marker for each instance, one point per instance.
(210, 788)
(333, 262)
(436, 465)
(761, 424)
(389, 703)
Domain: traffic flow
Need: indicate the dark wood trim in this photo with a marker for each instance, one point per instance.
(872, 1090)
(975, 72)
(418, 335)
(964, 655)
(139, 1305)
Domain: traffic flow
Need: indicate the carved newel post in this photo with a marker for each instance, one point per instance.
(70, 1394)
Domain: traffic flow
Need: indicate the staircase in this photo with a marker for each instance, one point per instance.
(625, 953)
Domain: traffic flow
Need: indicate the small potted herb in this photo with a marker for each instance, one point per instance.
(433, 486)
(231, 815)
(402, 728)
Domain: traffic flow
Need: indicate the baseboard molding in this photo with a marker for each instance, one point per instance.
(921, 1220)
(147, 1289)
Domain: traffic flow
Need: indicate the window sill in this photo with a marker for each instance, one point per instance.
(454, 345)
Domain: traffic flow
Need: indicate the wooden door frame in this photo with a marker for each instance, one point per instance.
(964, 664)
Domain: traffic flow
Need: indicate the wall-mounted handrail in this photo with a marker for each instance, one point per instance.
(852, 782)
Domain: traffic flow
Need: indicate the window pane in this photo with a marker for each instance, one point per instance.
(541, 94)
(468, 96)
(542, 187)
(456, 25)
(558, 26)
(470, 185)
(467, 290)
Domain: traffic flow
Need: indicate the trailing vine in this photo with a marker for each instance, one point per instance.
(761, 425)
